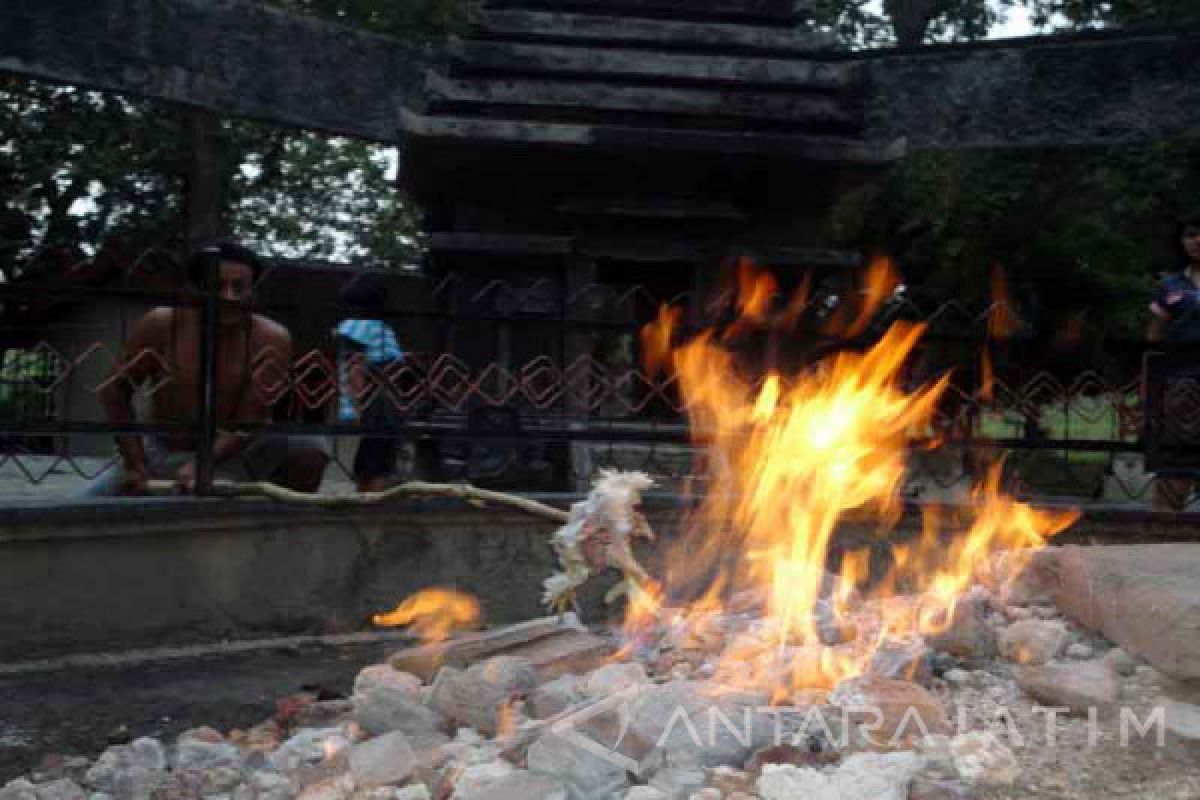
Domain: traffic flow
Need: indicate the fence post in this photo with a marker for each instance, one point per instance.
(207, 407)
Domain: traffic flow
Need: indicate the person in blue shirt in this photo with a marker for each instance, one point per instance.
(1175, 318)
(367, 348)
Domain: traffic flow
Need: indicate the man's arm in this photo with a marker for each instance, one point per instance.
(136, 365)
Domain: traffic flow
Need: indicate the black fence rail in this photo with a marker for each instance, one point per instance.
(529, 382)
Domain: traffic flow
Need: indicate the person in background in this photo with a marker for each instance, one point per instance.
(367, 347)
(1175, 318)
(163, 350)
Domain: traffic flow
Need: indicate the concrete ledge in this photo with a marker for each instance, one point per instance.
(121, 574)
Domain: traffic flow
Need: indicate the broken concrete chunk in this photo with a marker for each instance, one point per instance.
(1077, 687)
(981, 759)
(385, 759)
(613, 678)
(1145, 598)
(384, 675)
(967, 633)
(1033, 641)
(588, 773)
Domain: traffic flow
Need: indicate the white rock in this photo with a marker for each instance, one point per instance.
(61, 789)
(786, 782)
(958, 677)
(265, 786)
(1033, 641)
(384, 675)
(1079, 651)
(418, 791)
(310, 747)
(339, 788)
(554, 697)
(645, 793)
(706, 794)
(385, 759)
(384, 709)
(198, 755)
(18, 789)
(612, 678)
(877, 776)
(473, 782)
(130, 771)
(586, 773)
(520, 785)
(1120, 662)
(981, 759)
(678, 783)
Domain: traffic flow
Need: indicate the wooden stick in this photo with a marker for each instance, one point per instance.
(463, 491)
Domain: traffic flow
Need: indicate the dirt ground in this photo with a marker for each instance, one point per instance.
(74, 711)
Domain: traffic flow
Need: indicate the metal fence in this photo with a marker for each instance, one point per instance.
(530, 383)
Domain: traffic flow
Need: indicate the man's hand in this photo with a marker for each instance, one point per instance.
(185, 477)
(133, 480)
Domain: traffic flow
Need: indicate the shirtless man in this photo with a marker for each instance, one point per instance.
(244, 341)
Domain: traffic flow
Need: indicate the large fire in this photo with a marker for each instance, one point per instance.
(788, 459)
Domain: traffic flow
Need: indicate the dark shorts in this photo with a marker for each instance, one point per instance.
(376, 455)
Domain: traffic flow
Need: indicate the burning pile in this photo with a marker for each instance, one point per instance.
(747, 668)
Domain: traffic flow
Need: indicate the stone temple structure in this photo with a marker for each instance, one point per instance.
(575, 144)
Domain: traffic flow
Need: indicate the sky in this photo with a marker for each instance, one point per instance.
(1015, 22)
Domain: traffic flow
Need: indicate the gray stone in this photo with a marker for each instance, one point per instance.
(863, 776)
(1181, 722)
(645, 793)
(905, 661)
(1022, 577)
(613, 678)
(587, 773)
(1077, 686)
(1120, 662)
(18, 789)
(415, 792)
(313, 756)
(61, 789)
(384, 675)
(554, 697)
(967, 634)
(385, 759)
(1079, 651)
(519, 785)
(692, 723)
(981, 759)
(1033, 641)
(265, 785)
(197, 755)
(677, 783)
(480, 696)
(934, 789)
(475, 781)
(131, 771)
(386, 709)
(707, 793)
(1146, 598)
(888, 712)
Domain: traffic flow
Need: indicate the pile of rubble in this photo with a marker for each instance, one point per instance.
(545, 710)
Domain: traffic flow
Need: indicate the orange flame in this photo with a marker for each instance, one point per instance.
(880, 283)
(789, 459)
(433, 614)
(656, 340)
(1002, 322)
